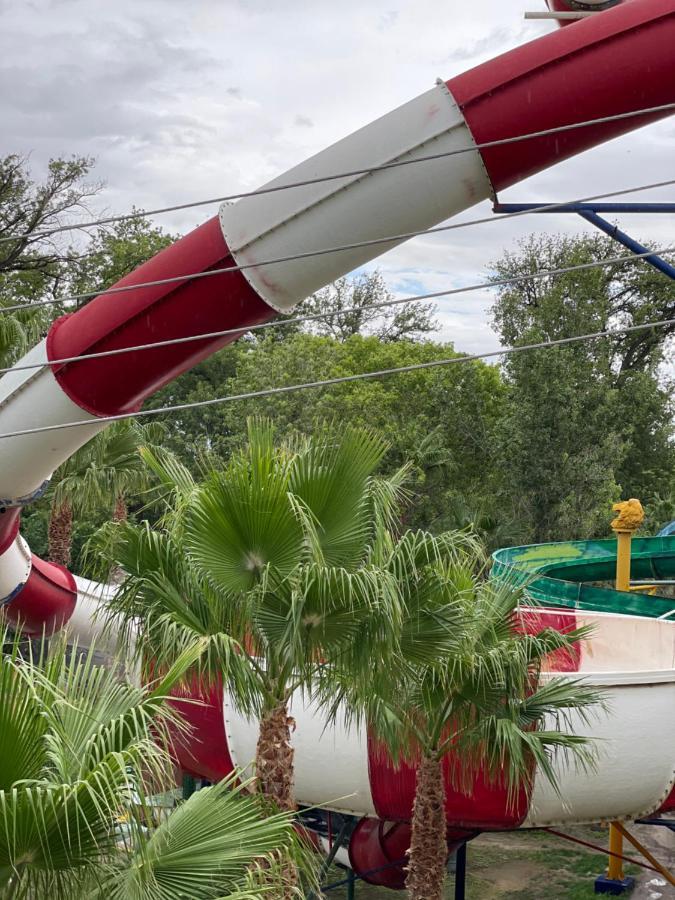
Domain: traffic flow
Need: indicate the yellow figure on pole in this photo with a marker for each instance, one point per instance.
(630, 516)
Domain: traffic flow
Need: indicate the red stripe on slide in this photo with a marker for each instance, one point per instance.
(668, 804)
(375, 844)
(46, 601)
(485, 806)
(532, 621)
(119, 384)
(10, 519)
(615, 62)
(204, 751)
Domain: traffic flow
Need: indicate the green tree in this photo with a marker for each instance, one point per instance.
(268, 559)
(443, 419)
(356, 305)
(113, 252)
(105, 472)
(82, 752)
(586, 421)
(33, 266)
(460, 681)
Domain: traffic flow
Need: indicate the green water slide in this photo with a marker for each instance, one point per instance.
(565, 574)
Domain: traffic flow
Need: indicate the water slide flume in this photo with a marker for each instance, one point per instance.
(614, 63)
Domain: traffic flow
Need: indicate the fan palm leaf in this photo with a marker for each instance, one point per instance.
(78, 749)
(210, 847)
(270, 559)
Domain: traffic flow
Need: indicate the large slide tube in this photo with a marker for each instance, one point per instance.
(630, 660)
(609, 64)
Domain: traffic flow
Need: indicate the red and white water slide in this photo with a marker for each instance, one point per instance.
(617, 61)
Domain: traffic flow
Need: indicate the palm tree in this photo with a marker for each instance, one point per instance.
(81, 752)
(104, 472)
(269, 559)
(463, 681)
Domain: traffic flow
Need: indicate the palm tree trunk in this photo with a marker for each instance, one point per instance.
(120, 514)
(274, 757)
(275, 773)
(60, 533)
(428, 847)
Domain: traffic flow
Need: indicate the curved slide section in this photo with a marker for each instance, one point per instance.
(562, 574)
(609, 64)
(629, 658)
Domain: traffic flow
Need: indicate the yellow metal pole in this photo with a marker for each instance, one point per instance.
(614, 864)
(647, 855)
(623, 539)
(629, 518)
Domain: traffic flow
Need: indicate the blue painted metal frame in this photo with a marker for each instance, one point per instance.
(589, 212)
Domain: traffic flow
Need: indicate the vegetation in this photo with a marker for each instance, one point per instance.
(268, 562)
(105, 472)
(587, 423)
(32, 267)
(82, 751)
(463, 682)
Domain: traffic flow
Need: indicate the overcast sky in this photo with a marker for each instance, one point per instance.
(180, 101)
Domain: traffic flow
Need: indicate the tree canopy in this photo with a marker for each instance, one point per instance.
(587, 422)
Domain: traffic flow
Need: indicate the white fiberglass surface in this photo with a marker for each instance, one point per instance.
(358, 207)
(622, 644)
(634, 742)
(33, 399)
(331, 763)
(15, 566)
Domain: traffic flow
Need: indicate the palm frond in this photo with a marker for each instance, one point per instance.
(209, 847)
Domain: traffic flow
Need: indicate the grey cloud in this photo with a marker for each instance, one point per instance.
(388, 19)
(497, 40)
(303, 122)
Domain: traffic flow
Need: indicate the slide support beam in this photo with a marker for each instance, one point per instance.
(589, 212)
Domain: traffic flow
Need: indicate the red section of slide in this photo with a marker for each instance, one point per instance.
(10, 518)
(375, 845)
(485, 806)
(46, 601)
(668, 804)
(532, 621)
(119, 384)
(615, 62)
(204, 752)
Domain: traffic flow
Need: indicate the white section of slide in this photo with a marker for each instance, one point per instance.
(34, 399)
(359, 207)
(15, 566)
(619, 643)
(87, 621)
(331, 764)
(87, 626)
(635, 744)
(627, 644)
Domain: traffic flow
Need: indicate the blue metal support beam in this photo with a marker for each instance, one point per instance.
(593, 207)
(460, 873)
(634, 246)
(589, 212)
